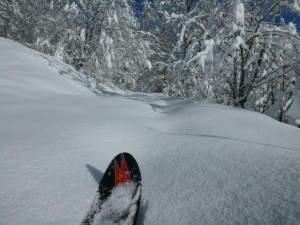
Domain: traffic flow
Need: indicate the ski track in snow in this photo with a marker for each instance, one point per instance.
(201, 163)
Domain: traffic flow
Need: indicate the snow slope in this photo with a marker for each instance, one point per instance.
(201, 163)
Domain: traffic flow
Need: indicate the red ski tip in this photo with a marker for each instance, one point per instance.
(122, 175)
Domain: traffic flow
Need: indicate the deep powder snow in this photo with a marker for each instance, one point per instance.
(201, 163)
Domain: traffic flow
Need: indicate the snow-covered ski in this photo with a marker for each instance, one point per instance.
(119, 194)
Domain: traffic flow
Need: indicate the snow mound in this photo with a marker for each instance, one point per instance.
(201, 163)
(26, 73)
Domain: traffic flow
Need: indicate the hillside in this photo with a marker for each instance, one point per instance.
(201, 163)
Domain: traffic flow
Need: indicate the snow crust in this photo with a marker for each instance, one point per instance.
(201, 163)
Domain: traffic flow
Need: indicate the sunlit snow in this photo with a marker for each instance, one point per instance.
(201, 163)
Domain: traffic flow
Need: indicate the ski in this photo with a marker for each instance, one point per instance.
(119, 194)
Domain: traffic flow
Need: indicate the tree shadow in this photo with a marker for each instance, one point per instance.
(97, 174)
(142, 212)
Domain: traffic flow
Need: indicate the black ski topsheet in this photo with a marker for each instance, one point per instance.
(122, 174)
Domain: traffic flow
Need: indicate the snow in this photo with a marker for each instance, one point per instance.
(201, 163)
(73, 8)
(182, 34)
(115, 18)
(149, 65)
(294, 111)
(239, 13)
(294, 5)
(236, 44)
(292, 28)
(108, 60)
(118, 203)
(67, 6)
(206, 55)
(59, 53)
(82, 35)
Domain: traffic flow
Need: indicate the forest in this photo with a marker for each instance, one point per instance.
(238, 53)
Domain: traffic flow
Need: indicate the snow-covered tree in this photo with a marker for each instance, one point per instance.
(17, 19)
(104, 41)
(122, 49)
(257, 51)
(182, 44)
(239, 53)
(100, 38)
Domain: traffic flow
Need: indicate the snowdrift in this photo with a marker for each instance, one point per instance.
(201, 163)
